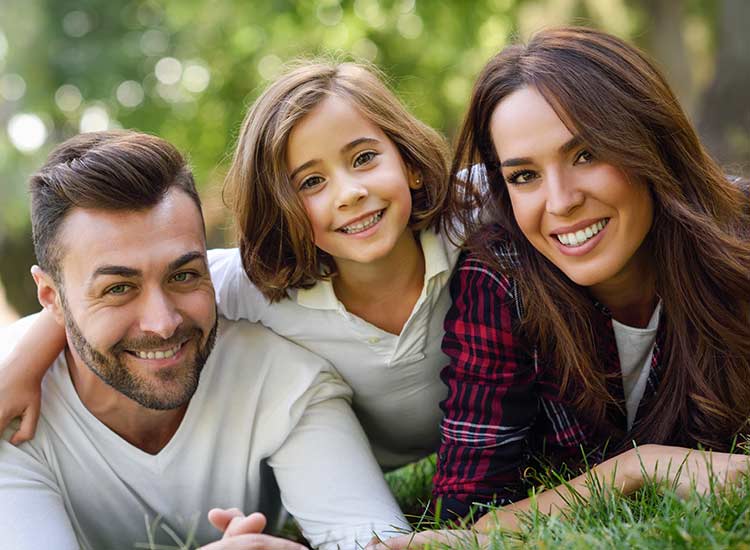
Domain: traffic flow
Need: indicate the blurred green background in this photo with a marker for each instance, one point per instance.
(187, 69)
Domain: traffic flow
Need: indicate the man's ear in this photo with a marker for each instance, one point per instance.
(48, 294)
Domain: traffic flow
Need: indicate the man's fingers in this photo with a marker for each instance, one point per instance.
(254, 542)
(252, 524)
(221, 517)
(28, 425)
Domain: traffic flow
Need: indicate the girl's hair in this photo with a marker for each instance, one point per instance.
(274, 233)
(611, 95)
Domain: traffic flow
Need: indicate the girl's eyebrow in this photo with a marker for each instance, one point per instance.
(345, 149)
(565, 148)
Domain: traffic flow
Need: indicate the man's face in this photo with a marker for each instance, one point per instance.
(137, 298)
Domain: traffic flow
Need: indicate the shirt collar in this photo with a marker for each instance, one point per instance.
(322, 296)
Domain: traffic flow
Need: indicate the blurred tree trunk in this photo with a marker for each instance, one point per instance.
(664, 38)
(724, 116)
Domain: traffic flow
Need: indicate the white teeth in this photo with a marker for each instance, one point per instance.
(166, 354)
(364, 224)
(582, 235)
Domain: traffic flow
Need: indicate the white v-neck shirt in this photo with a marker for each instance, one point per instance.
(635, 348)
(395, 378)
(264, 409)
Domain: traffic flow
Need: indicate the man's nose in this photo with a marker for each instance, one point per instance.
(159, 315)
(563, 195)
(349, 191)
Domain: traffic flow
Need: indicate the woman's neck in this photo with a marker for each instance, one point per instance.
(384, 292)
(631, 294)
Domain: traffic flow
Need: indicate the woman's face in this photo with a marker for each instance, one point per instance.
(586, 216)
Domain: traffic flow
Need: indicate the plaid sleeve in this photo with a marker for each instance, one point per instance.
(492, 402)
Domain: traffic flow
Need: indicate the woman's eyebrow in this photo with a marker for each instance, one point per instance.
(565, 148)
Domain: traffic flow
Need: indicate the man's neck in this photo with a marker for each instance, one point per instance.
(147, 429)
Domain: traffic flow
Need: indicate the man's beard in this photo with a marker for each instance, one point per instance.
(114, 372)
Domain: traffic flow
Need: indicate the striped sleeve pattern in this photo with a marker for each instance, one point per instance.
(492, 402)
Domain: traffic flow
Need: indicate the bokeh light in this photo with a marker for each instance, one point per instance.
(68, 98)
(168, 70)
(12, 86)
(27, 132)
(129, 94)
(94, 119)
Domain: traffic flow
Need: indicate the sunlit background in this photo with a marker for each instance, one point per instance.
(187, 69)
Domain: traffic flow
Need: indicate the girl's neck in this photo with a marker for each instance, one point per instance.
(385, 291)
(631, 294)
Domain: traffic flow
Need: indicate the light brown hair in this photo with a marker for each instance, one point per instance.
(274, 234)
(117, 170)
(615, 99)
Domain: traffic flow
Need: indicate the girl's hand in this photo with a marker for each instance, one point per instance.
(20, 397)
(686, 468)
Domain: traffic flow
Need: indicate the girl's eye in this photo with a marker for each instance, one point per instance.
(309, 183)
(364, 158)
(584, 157)
(520, 177)
(183, 277)
(118, 290)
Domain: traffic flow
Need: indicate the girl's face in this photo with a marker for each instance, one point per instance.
(352, 181)
(586, 216)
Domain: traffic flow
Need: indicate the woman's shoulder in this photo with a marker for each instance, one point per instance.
(493, 247)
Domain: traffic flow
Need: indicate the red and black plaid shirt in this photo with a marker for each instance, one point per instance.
(504, 411)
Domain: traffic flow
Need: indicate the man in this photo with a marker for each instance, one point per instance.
(156, 412)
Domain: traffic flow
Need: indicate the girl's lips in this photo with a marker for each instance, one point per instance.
(366, 232)
(585, 248)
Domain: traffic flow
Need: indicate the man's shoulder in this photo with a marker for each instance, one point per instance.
(249, 342)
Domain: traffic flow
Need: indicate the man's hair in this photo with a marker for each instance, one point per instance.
(119, 170)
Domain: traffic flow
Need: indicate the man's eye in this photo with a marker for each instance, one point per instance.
(364, 158)
(183, 277)
(309, 183)
(118, 290)
(584, 157)
(520, 177)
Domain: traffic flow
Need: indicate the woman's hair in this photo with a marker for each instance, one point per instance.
(613, 97)
(274, 233)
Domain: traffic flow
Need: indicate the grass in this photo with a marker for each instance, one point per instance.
(654, 518)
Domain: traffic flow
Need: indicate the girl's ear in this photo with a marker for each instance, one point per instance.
(415, 180)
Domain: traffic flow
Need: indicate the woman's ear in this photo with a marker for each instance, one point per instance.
(415, 180)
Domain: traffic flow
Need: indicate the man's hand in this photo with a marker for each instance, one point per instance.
(243, 532)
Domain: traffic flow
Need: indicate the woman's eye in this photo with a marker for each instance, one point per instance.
(309, 183)
(118, 290)
(364, 158)
(521, 176)
(584, 157)
(183, 277)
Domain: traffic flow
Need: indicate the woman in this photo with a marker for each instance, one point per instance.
(606, 302)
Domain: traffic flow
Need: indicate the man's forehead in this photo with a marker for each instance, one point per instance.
(91, 238)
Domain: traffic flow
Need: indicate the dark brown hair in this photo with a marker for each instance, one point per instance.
(113, 170)
(273, 231)
(614, 98)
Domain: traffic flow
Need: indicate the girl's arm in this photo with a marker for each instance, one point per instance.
(683, 469)
(21, 374)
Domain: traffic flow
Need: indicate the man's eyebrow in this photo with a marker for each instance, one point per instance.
(345, 149)
(566, 147)
(186, 259)
(116, 270)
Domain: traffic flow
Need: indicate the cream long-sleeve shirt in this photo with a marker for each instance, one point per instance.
(263, 406)
(395, 378)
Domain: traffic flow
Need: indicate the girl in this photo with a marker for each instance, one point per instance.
(607, 303)
(337, 192)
